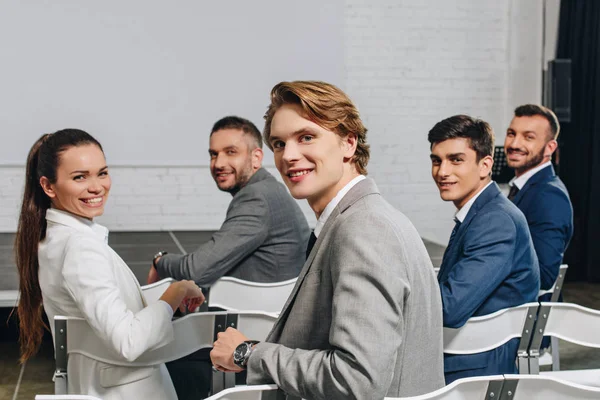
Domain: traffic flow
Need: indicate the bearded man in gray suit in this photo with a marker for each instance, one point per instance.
(364, 320)
(264, 231)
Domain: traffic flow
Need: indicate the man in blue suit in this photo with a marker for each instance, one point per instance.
(490, 263)
(536, 190)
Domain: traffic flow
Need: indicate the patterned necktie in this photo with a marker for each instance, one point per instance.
(513, 192)
(311, 243)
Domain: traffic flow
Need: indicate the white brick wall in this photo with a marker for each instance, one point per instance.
(408, 64)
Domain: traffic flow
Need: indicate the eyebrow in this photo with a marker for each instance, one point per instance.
(81, 171)
(451, 155)
(529, 131)
(305, 129)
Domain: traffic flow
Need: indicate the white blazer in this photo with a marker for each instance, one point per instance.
(81, 276)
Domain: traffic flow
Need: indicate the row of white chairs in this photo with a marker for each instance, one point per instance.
(479, 334)
(498, 387)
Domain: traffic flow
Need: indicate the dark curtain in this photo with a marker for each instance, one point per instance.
(579, 40)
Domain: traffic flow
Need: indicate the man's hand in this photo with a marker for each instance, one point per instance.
(222, 352)
(153, 275)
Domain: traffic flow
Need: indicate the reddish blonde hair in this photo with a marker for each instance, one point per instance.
(327, 106)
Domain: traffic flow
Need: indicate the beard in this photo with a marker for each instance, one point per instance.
(241, 179)
(531, 162)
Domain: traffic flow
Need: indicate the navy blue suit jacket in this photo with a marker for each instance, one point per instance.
(490, 265)
(545, 202)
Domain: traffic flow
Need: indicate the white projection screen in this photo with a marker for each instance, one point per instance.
(149, 78)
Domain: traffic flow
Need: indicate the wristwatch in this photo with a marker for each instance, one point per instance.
(158, 255)
(242, 353)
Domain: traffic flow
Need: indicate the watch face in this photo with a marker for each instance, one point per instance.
(239, 353)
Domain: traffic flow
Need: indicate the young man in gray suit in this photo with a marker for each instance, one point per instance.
(264, 233)
(364, 320)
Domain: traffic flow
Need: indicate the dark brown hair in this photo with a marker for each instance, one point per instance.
(479, 133)
(530, 110)
(43, 160)
(234, 122)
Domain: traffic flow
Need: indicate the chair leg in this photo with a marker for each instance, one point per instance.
(555, 354)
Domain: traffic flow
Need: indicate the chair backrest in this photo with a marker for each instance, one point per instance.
(253, 392)
(191, 333)
(235, 294)
(153, 291)
(474, 388)
(556, 289)
(65, 397)
(488, 332)
(526, 387)
(570, 322)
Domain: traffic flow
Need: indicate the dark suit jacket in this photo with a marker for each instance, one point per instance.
(545, 202)
(364, 319)
(263, 239)
(491, 265)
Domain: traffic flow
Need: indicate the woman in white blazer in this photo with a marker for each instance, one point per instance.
(66, 265)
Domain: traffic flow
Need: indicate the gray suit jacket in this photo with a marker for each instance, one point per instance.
(263, 239)
(364, 320)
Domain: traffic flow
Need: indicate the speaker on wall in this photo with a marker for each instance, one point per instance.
(557, 88)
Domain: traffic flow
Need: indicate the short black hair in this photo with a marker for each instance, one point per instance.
(479, 133)
(233, 122)
(530, 110)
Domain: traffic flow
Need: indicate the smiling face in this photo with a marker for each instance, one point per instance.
(456, 171)
(233, 159)
(528, 143)
(82, 182)
(315, 163)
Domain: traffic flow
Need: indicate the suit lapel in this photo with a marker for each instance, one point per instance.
(542, 175)
(360, 190)
(485, 197)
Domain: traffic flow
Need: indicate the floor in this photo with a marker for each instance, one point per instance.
(137, 248)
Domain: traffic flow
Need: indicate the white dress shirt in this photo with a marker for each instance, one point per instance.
(462, 213)
(334, 202)
(522, 180)
(81, 276)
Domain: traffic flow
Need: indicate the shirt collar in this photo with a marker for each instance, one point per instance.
(334, 202)
(462, 213)
(75, 222)
(522, 180)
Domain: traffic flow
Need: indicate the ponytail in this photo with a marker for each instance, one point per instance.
(31, 230)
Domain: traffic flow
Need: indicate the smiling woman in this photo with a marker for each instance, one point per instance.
(67, 268)
(82, 182)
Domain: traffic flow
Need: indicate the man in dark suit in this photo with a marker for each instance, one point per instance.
(264, 234)
(536, 190)
(490, 263)
(364, 319)
(263, 238)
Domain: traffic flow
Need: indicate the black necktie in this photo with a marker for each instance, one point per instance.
(453, 234)
(311, 243)
(513, 192)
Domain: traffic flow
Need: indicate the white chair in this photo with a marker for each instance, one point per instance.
(235, 294)
(573, 323)
(65, 397)
(488, 332)
(252, 392)
(474, 388)
(191, 333)
(153, 291)
(553, 358)
(527, 387)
